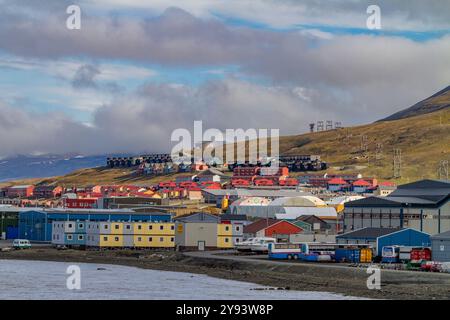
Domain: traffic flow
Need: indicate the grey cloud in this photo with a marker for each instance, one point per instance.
(85, 77)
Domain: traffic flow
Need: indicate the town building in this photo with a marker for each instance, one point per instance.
(36, 224)
(423, 205)
(238, 223)
(47, 192)
(69, 233)
(24, 191)
(202, 231)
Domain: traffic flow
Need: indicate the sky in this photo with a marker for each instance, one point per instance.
(137, 70)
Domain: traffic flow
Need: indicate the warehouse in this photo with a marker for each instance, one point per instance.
(282, 208)
(423, 205)
(216, 196)
(36, 225)
(440, 247)
(380, 237)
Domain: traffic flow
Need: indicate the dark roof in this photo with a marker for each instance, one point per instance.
(370, 233)
(426, 184)
(198, 217)
(259, 225)
(443, 236)
(373, 201)
(234, 217)
(310, 219)
(432, 190)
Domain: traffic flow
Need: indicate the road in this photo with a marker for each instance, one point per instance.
(262, 259)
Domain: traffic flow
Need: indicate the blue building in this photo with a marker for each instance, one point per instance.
(381, 237)
(36, 225)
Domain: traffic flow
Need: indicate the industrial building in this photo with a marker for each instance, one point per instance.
(282, 208)
(216, 196)
(37, 224)
(202, 231)
(423, 205)
(381, 237)
(440, 247)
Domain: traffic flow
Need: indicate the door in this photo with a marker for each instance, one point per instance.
(201, 245)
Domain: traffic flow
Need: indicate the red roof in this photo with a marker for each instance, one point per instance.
(337, 181)
(387, 184)
(259, 225)
(361, 183)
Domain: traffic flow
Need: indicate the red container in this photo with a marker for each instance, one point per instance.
(421, 254)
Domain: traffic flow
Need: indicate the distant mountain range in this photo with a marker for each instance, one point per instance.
(21, 167)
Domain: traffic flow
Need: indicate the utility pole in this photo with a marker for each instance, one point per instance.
(397, 163)
(443, 170)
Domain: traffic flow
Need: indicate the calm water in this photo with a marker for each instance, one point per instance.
(47, 280)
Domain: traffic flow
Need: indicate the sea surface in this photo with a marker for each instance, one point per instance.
(48, 280)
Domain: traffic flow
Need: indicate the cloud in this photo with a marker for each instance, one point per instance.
(144, 120)
(280, 79)
(84, 77)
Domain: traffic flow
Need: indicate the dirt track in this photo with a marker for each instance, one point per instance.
(290, 275)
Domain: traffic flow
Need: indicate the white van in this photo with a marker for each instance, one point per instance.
(21, 244)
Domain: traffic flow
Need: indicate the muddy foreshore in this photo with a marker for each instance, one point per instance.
(347, 281)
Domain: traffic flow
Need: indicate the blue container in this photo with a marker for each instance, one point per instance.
(348, 255)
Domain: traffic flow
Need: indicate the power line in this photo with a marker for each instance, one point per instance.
(397, 163)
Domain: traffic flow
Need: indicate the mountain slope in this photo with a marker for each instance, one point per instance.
(438, 101)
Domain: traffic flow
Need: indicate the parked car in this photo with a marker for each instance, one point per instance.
(21, 244)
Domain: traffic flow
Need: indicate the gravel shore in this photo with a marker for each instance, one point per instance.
(292, 276)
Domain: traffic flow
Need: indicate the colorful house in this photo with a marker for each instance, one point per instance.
(361, 186)
(280, 230)
(336, 184)
(69, 233)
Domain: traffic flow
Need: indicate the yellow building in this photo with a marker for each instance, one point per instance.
(224, 235)
(130, 234)
(110, 240)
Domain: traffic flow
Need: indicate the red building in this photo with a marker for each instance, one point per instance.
(20, 191)
(86, 203)
(47, 192)
(282, 228)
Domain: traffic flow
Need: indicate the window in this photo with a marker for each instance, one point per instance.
(70, 225)
(80, 237)
(105, 238)
(105, 226)
(139, 227)
(80, 226)
(238, 228)
(237, 239)
(227, 228)
(128, 227)
(161, 227)
(150, 227)
(172, 239)
(116, 226)
(227, 240)
(150, 239)
(69, 237)
(139, 239)
(116, 239)
(172, 227)
(161, 239)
